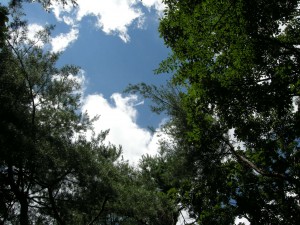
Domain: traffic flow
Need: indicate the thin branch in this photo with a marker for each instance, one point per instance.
(54, 208)
(222, 15)
(100, 212)
(241, 158)
(184, 221)
(29, 84)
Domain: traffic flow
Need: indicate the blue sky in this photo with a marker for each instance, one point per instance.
(110, 64)
(116, 43)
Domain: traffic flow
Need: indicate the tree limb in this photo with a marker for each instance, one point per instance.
(54, 208)
(100, 212)
(243, 159)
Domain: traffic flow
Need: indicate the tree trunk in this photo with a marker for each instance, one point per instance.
(21, 196)
(24, 211)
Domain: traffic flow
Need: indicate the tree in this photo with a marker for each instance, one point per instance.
(50, 171)
(46, 162)
(191, 178)
(236, 121)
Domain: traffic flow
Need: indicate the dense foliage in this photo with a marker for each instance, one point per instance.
(233, 105)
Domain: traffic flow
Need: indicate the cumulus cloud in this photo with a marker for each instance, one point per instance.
(62, 41)
(119, 116)
(113, 16)
(58, 43)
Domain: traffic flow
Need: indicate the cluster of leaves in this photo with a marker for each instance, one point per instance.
(233, 104)
(45, 3)
(50, 172)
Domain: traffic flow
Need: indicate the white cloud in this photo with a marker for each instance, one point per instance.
(33, 34)
(158, 5)
(58, 43)
(62, 41)
(59, 9)
(296, 104)
(184, 218)
(119, 116)
(113, 16)
(241, 220)
(234, 141)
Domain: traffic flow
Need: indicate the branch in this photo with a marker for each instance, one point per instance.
(184, 222)
(241, 158)
(32, 96)
(100, 212)
(222, 15)
(14, 187)
(54, 208)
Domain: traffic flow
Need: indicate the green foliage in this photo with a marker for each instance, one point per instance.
(234, 124)
(45, 3)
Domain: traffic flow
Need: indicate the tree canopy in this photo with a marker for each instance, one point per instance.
(234, 119)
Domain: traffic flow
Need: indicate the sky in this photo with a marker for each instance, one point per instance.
(115, 43)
